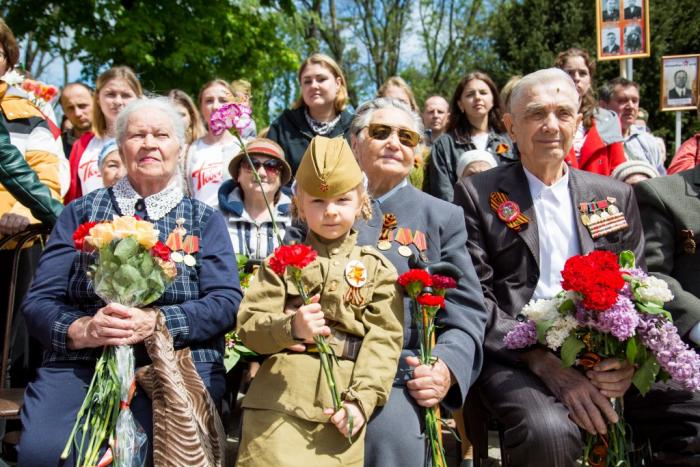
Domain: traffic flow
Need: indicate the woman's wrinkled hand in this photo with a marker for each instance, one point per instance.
(113, 324)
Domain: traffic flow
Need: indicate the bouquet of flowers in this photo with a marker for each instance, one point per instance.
(133, 268)
(40, 94)
(427, 293)
(610, 309)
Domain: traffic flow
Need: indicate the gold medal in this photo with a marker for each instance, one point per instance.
(595, 218)
(604, 215)
(176, 256)
(405, 251)
(383, 245)
(189, 260)
(585, 220)
(612, 210)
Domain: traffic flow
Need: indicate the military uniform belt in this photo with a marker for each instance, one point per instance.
(343, 344)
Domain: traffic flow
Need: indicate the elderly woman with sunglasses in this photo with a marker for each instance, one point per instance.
(385, 136)
(242, 199)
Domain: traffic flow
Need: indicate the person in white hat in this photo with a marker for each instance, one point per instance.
(475, 161)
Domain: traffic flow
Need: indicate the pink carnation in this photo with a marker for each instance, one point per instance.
(230, 116)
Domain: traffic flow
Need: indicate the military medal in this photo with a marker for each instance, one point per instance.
(421, 244)
(507, 211)
(688, 241)
(176, 256)
(404, 238)
(190, 246)
(387, 234)
(356, 277)
(602, 217)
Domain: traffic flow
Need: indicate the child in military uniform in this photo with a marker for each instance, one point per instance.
(356, 304)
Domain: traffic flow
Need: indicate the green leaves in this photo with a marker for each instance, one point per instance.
(126, 273)
(645, 376)
(626, 259)
(570, 349)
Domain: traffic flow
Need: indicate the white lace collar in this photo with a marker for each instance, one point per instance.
(157, 206)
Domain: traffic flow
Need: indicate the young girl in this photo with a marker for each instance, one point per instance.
(288, 419)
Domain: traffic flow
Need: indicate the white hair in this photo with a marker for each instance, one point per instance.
(160, 103)
(363, 116)
(538, 78)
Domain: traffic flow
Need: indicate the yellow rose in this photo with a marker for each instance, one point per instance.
(145, 234)
(100, 235)
(124, 226)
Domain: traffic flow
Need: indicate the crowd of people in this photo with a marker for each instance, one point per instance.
(383, 185)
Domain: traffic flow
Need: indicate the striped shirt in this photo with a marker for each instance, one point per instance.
(251, 238)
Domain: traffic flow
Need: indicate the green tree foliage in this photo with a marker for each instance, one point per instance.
(175, 44)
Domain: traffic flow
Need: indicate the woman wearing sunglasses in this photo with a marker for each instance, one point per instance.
(320, 110)
(408, 226)
(242, 203)
(475, 123)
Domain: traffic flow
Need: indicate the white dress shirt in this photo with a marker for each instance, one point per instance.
(556, 231)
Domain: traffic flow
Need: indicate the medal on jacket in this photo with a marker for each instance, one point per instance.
(356, 277)
(421, 244)
(688, 241)
(507, 211)
(175, 240)
(602, 217)
(190, 246)
(404, 238)
(386, 236)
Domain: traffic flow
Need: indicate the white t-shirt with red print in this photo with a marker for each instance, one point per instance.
(88, 170)
(207, 169)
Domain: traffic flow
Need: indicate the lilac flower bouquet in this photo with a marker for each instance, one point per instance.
(620, 316)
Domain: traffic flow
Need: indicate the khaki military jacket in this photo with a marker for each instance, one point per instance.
(292, 382)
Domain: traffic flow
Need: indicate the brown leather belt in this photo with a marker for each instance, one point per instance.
(343, 344)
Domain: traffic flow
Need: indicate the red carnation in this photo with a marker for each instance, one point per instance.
(80, 233)
(298, 256)
(431, 300)
(443, 282)
(596, 276)
(161, 250)
(415, 275)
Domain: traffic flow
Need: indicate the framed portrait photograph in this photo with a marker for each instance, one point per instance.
(622, 28)
(679, 82)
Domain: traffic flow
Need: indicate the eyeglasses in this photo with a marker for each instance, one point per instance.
(381, 131)
(272, 166)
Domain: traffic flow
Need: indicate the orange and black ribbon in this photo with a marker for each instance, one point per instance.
(389, 223)
(499, 201)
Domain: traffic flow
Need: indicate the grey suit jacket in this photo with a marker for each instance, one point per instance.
(507, 262)
(461, 325)
(670, 205)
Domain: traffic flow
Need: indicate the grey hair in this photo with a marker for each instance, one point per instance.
(363, 115)
(160, 103)
(539, 77)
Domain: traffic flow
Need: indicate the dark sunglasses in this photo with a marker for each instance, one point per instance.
(272, 166)
(381, 131)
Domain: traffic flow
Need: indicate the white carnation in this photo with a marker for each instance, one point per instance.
(541, 310)
(654, 290)
(560, 330)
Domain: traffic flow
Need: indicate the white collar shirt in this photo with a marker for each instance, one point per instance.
(556, 231)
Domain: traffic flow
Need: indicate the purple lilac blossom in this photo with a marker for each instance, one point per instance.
(523, 335)
(674, 356)
(637, 274)
(620, 320)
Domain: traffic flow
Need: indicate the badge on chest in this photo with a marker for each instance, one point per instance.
(602, 217)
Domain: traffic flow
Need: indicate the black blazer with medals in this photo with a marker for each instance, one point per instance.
(507, 262)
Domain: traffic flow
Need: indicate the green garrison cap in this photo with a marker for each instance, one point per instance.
(328, 168)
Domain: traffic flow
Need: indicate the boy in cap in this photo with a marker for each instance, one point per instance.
(356, 304)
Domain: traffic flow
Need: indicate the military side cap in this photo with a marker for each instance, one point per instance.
(328, 168)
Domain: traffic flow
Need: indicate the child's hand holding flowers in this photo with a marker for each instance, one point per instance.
(308, 322)
(342, 423)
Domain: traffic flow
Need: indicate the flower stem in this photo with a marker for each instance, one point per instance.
(275, 229)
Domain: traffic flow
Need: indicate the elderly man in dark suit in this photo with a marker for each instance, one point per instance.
(671, 221)
(633, 10)
(523, 221)
(409, 223)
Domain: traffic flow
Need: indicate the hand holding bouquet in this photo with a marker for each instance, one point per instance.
(133, 269)
(610, 309)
